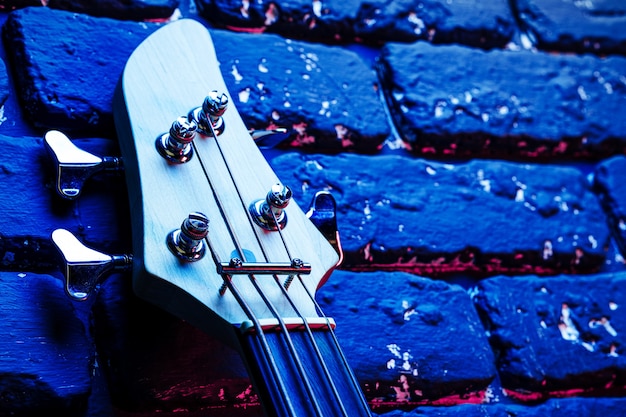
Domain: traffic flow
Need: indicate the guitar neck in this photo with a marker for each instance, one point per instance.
(302, 373)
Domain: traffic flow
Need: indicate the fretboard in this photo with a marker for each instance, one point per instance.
(303, 374)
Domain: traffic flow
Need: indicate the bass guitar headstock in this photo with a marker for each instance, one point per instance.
(217, 238)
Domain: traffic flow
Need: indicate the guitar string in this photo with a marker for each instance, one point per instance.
(333, 335)
(295, 356)
(289, 298)
(309, 332)
(266, 348)
(315, 345)
(239, 249)
(292, 349)
(295, 308)
(240, 300)
(343, 358)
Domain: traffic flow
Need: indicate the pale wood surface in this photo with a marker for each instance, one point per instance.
(170, 73)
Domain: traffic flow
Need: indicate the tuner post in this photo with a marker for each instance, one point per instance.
(187, 243)
(209, 115)
(175, 146)
(270, 213)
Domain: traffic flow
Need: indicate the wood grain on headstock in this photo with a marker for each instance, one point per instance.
(169, 74)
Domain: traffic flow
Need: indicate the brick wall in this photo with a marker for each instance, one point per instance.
(476, 153)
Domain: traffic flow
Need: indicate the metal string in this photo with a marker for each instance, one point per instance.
(315, 345)
(348, 369)
(306, 325)
(228, 281)
(267, 302)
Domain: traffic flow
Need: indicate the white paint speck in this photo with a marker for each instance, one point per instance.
(244, 95)
(325, 107)
(566, 326)
(417, 22)
(367, 210)
(395, 350)
(2, 116)
(314, 164)
(235, 73)
(317, 8)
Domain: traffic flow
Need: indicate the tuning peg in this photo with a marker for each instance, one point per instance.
(187, 243)
(269, 213)
(209, 116)
(74, 165)
(84, 268)
(175, 146)
(323, 214)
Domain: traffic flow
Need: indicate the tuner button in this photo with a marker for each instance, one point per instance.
(85, 268)
(74, 165)
(187, 243)
(269, 213)
(209, 115)
(175, 146)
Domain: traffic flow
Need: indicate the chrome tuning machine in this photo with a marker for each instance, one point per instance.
(74, 165)
(187, 243)
(209, 115)
(175, 146)
(269, 213)
(84, 268)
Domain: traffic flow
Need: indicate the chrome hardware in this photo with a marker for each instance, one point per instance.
(237, 267)
(74, 165)
(85, 268)
(269, 213)
(297, 264)
(187, 243)
(323, 214)
(209, 115)
(175, 146)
